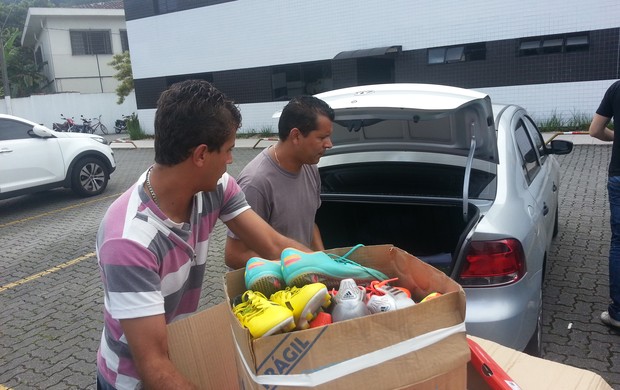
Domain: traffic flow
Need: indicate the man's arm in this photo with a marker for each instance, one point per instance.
(260, 237)
(148, 340)
(317, 241)
(236, 253)
(598, 128)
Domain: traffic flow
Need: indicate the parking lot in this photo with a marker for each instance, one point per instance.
(52, 300)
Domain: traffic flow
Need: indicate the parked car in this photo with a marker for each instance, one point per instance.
(34, 158)
(464, 185)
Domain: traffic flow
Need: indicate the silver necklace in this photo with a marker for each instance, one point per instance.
(275, 154)
(150, 188)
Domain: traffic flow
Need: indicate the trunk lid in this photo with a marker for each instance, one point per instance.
(413, 117)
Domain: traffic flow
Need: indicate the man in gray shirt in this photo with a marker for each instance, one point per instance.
(282, 183)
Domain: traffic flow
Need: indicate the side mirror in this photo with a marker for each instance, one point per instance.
(42, 131)
(558, 146)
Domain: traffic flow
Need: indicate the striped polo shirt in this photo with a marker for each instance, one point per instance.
(151, 265)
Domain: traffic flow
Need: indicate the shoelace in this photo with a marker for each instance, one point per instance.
(345, 260)
(286, 294)
(252, 305)
(373, 288)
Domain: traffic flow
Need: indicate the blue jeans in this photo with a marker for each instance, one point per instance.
(613, 189)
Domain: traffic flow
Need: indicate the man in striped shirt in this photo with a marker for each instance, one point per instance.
(153, 241)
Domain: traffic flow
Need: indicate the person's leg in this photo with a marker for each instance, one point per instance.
(613, 188)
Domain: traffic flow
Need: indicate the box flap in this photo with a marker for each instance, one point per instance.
(529, 372)
(202, 349)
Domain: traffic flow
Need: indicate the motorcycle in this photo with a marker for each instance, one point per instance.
(65, 126)
(85, 127)
(120, 124)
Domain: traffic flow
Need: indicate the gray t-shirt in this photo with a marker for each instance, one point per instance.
(287, 201)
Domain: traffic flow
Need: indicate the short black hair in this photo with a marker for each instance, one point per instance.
(190, 113)
(302, 112)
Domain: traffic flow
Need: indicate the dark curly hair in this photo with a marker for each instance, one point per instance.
(191, 113)
(302, 112)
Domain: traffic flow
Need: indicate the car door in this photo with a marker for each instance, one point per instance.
(548, 180)
(26, 160)
(537, 179)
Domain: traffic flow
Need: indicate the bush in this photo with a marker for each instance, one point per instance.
(134, 129)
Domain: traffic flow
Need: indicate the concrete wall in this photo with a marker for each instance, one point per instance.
(46, 109)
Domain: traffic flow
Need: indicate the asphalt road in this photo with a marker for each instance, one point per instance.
(51, 297)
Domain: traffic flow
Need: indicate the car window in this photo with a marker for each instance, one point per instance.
(537, 138)
(13, 130)
(529, 157)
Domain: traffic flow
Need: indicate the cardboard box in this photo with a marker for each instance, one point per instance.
(421, 347)
(531, 373)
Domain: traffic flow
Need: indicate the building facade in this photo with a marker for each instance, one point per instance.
(552, 57)
(73, 46)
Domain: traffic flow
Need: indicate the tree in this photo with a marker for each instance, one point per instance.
(122, 64)
(23, 74)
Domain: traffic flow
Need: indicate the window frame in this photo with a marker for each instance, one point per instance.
(124, 40)
(530, 168)
(82, 42)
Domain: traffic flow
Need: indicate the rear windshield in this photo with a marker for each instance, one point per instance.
(400, 178)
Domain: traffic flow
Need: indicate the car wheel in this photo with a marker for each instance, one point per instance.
(534, 346)
(556, 224)
(89, 177)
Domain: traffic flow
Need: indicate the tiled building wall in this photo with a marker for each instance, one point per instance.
(240, 43)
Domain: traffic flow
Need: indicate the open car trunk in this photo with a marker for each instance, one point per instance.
(433, 232)
(416, 207)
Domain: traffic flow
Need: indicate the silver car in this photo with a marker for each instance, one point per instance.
(464, 185)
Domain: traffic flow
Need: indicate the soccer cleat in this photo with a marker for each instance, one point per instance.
(301, 268)
(383, 297)
(304, 302)
(261, 316)
(349, 301)
(264, 276)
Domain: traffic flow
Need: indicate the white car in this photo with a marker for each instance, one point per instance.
(464, 185)
(34, 158)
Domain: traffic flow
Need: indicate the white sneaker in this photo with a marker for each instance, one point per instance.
(607, 320)
(388, 302)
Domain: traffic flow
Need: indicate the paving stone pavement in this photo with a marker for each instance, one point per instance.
(51, 297)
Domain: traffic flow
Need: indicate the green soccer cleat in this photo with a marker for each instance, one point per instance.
(301, 268)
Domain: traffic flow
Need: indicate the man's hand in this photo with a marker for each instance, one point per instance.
(148, 341)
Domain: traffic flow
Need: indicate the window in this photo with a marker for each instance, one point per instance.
(537, 138)
(288, 81)
(90, 42)
(10, 130)
(124, 40)
(38, 57)
(445, 55)
(527, 151)
(577, 43)
(553, 44)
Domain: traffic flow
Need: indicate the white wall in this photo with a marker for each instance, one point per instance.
(250, 33)
(545, 100)
(46, 109)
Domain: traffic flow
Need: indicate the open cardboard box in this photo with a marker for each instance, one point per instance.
(422, 346)
(203, 348)
(526, 372)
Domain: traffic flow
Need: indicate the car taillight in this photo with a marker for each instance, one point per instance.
(492, 263)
